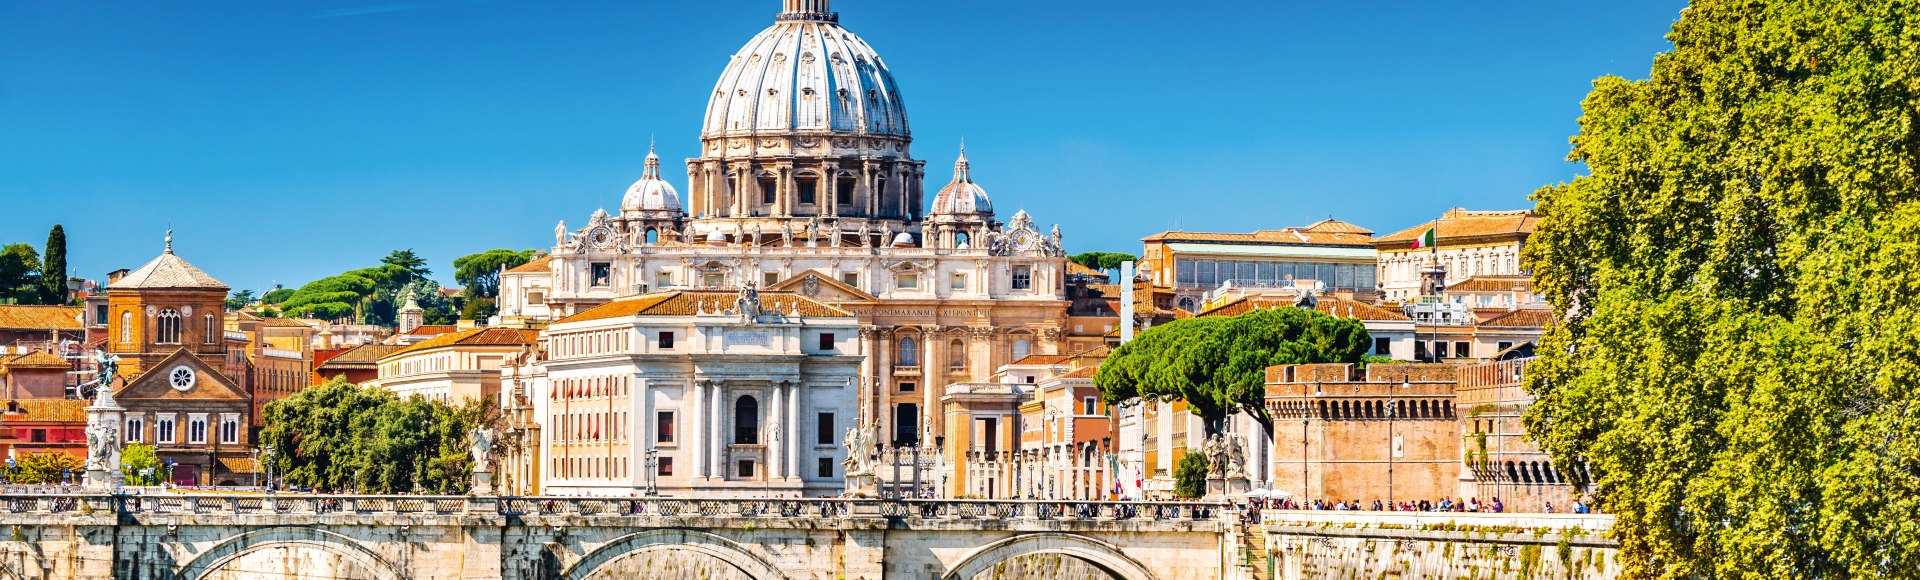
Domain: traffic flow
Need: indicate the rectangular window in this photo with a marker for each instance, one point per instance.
(826, 467)
(665, 468)
(1087, 405)
(850, 278)
(1460, 350)
(100, 315)
(1503, 346)
(1382, 346)
(808, 189)
(536, 298)
(1023, 277)
(39, 436)
(906, 281)
(663, 427)
(1440, 350)
(959, 281)
(824, 430)
(826, 341)
(666, 340)
(602, 274)
(769, 279)
(664, 279)
(906, 387)
(714, 280)
(746, 468)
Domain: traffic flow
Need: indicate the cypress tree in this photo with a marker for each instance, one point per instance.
(53, 267)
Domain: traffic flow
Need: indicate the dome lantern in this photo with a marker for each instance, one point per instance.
(807, 10)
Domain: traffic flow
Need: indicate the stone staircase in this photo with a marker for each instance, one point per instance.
(1254, 559)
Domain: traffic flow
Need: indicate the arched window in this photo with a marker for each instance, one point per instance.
(746, 421)
(126, 327)
(909, 353)
(956, 354)
(653, 236)
(167, 327)
(212, 333)
(1021, 348)
(962, 240)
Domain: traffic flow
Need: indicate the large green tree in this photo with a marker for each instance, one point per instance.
(330, 298)
(1218, 364)
(340, 436)
(20, 274)
(415, 265)
(53, 268)
(481, 272)
(1739, 347)
(1102, 261)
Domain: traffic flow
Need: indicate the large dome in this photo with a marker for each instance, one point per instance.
(650, 193)
(806, 75)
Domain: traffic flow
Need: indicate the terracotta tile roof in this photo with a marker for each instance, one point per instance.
(283, 323)
(167, 271)
(1329, 305)
(55, 410)
(434, 330)
(33, 360)
(1324, 232)
(690, 302)
(540, 266)
(475, 337)
(1074, 268)
(239, 464)
(1458, 224)
(1522, 318)
(1080, 373)
(1492, 284)
(363, 355)
(1334, 226)
(1043, 359)
(41, 317)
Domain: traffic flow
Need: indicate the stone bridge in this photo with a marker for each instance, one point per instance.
(196, 537)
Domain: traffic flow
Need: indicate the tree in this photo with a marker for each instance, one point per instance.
(140, 466)
(45, 467)
(1190, 477)
(481, 272)
(340, 436)
(1102, 261)
(1218, 364)
(415, 266)
(1736, 357)
(19, 274)
(276, 296)
(53, 268)
(239, 299)
(478, 309)
(329, 298)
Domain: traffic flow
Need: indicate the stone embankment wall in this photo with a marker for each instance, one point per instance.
(1314, 545)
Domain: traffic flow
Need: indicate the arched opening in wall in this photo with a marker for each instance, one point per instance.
(653, 236)
(1323, 409)
(909, 352)
(843, 194)
(1553, 475)
(769, 187)
(1446, 409)
(1021, 348)
(906, 424)
(746, 421)
(809, 185)
(1512, 473)
(962, 240)
(956, 354)
(888, 206)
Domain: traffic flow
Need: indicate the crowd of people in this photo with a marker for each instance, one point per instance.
(1465, 505)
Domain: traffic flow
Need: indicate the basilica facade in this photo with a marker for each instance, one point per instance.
(807, 184)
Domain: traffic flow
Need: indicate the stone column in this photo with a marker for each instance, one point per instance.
(933, 368)
(776, 452)
(793, 431)
(716, 458)
(882, 380)
(697, 445)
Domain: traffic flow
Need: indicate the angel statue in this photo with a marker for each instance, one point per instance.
(1236, 458)
(109, 365)
(480, 445)
(102, 441)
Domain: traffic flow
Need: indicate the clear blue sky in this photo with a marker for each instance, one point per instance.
(293, 139)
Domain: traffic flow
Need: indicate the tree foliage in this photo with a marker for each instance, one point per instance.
(1190, 476)
(53, 267)
(415, 265)
(1218, 364)
(20, 274)
(340, 436)
(367, 295)
(1102, 261)
(45, 467)
(140, 465)
(239, 299)
(330, 298)
(1739, 350)
(277, 296)
(481, 272)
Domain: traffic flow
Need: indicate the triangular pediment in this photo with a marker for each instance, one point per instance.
(203, 382)
(820, 287)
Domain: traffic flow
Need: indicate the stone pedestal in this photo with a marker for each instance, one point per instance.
(104, 418)
(1221, 488)
(863, 486)
(482, 482)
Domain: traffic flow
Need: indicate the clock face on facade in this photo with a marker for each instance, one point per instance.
(600, 237)
(1025, 240)
(182, 377)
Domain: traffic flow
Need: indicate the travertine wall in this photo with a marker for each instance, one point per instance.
(1518, 548)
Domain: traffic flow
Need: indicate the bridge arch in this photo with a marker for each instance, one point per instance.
(214, 559)
(1107, 557)
(712, 545)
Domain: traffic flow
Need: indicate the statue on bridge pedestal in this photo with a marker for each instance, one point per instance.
(480, 445)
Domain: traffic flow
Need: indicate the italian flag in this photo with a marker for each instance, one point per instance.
(1427, 240)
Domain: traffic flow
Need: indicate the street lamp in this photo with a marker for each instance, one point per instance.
(1392, 406)
(268, 468)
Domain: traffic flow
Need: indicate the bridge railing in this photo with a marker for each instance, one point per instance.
(976, 509)
(302, 504)
(55, 503)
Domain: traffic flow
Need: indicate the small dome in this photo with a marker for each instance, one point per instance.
(963, 196)
(651, 194)
(716, 238)
(904, 239)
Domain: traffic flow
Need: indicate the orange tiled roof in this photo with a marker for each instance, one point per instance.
(1074, 268)
(1043, 359)
(1459, 224)
(33, 360)
(40, 317)
(475, 337)
(1324, 232)
(55, 410)
(1522, 318)
(434, 329)
(283, 323)
(690, 302)
(1329, 305)
(1492, 284)
(1079, 373)
(1334, 226)
(363, 355)
(239, 464)
(540, 266)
